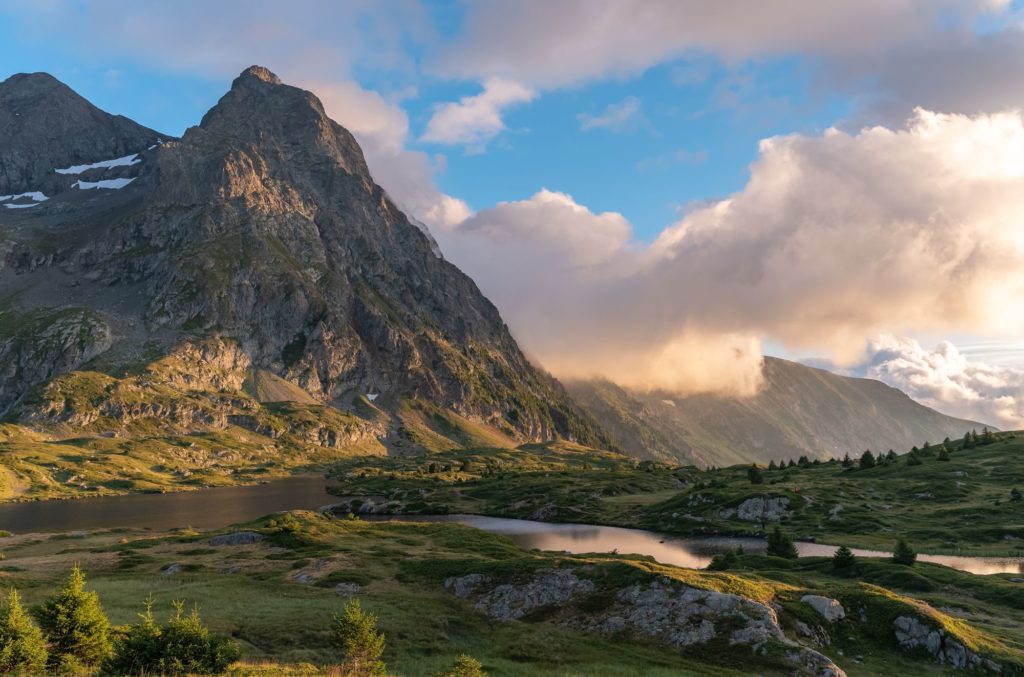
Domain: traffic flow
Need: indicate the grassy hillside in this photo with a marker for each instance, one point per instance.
(276, 598)
(800, 410)
(964, 504)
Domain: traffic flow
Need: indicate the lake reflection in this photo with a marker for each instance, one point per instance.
(685, 552)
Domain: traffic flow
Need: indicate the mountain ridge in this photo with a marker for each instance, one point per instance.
(799, 411)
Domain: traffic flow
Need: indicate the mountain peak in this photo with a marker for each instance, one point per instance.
(44, 124)
(21, 84)
(258, 73)
(260, 109)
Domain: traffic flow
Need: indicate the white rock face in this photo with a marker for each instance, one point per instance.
(829, 609)
(912, 633)
(759, 508)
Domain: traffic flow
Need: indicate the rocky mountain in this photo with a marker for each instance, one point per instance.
(259, 258)
(45, 126)
(799, 411)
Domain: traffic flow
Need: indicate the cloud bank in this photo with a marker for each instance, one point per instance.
(834, 238)
(946, 379)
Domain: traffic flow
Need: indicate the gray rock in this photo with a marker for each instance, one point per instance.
(347, 589)
(759, 508)
(237, 538)
(172, 569)
(551, 587)
(664, 610)
(912, 633)
(829, 609)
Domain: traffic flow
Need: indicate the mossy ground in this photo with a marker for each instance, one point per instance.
(276, 598)
(960, 506)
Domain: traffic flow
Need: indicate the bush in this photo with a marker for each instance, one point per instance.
(781, 545)
(914, 459)
(75, 625)
(754, 475)
(183, 646)
(465, 666)
(361, 645)
(22, 647)
(724, 561)
(843, 558)
(867, 460)
(1015, 494)
(904, 554)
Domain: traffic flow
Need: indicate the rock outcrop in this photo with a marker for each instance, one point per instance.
(661, 609)
(912, 633)
(759, 509)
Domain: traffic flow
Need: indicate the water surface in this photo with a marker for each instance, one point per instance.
(678, 550)
(222, 506)
(202, 509)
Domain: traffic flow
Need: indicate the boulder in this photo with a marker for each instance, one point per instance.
(829, 609)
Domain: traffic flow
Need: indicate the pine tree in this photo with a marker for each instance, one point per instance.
(355, 634)
(987, 436)
(843, 558)
(74, 622)
(967, 443)
(904, 554)
(755, 475)
(803, 461)
(974, 438)
(772, 466)
(891, 455)
(792, 463)
(465, 666)
(22, 646)
(943, 453)
(867, 460)
(847, 463)
(781, 545)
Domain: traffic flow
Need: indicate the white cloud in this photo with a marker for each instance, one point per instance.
(834, 238)
(625, 116)
(946, 379)
(475, 120)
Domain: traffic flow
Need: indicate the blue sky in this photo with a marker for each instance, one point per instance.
(697, 130)
(655, 191)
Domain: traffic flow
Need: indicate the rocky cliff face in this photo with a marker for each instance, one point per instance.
(263, 227)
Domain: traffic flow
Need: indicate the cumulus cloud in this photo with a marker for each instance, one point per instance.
(834, 238)
(475, 120)
(624, 116)
(946, 379)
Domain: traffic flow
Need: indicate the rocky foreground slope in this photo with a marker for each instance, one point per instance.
(258, 240)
